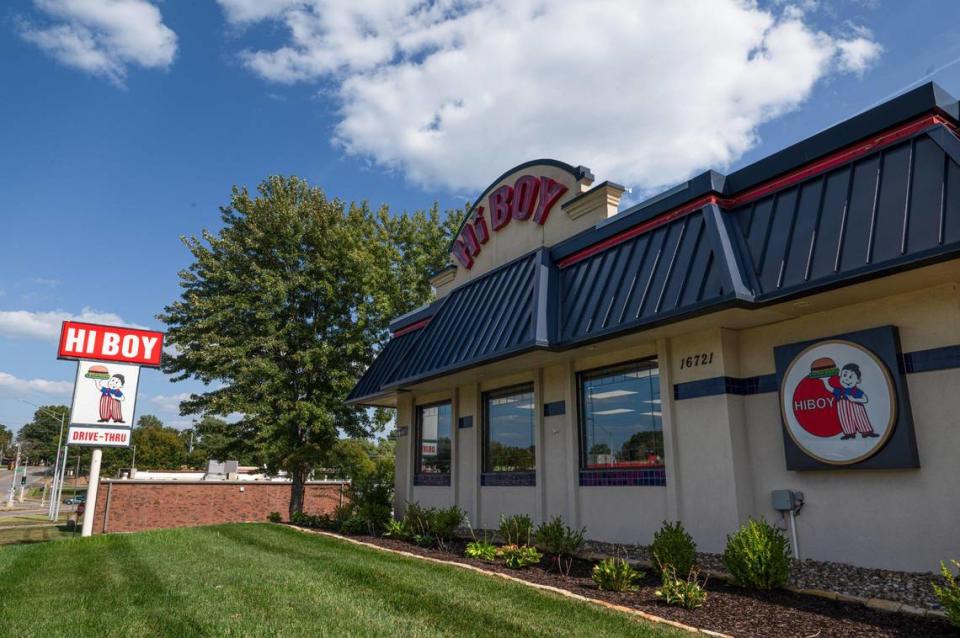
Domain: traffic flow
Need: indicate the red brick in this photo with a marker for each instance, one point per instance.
(136, 506)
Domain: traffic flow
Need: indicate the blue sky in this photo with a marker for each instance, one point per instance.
(124, 123)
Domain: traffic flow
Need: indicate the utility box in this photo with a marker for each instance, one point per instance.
(786, 500)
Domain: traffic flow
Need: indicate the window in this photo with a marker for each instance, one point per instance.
(434, 430)
(508, 431)
(620, 423)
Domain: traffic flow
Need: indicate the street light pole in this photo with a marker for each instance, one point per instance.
(13, 481)
(54, 510)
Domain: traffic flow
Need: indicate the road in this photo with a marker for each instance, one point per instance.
(37, 475)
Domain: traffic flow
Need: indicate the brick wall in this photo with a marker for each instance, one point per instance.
(132, 506)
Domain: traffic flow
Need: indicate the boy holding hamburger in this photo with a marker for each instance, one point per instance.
(111, 394)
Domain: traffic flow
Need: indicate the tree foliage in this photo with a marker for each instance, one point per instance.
(284, 308)
(38, 438)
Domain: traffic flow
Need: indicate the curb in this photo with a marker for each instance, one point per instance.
(880, 604)
(555, 590)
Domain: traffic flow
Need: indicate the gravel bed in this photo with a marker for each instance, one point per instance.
(911, 588)
(728, 609)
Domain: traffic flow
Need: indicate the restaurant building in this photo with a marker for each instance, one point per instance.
(794, 325)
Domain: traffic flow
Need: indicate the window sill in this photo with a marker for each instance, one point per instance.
(623, 478)
(431, 480)
(508, 479)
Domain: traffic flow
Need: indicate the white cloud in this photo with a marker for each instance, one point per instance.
(24, 387)
(46, 325)
(169, 402)
(103, 37)
(643, 92)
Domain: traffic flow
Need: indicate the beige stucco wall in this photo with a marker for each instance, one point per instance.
(724, 454)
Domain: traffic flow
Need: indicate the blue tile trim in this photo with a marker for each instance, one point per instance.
(432, 480)
(465, 422)
(508, 479)
(556, 408)
(943, 358)
(725, 385)
(621, 478)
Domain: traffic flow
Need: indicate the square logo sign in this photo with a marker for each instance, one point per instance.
(105, 394)
(844, 403)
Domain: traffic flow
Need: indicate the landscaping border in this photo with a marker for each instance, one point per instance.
(555, 590)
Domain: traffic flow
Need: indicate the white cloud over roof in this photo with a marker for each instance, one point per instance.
(642, 91)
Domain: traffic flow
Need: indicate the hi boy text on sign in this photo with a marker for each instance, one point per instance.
(108, 343)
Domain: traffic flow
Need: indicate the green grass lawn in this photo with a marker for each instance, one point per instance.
(19, 535)
(269, 580)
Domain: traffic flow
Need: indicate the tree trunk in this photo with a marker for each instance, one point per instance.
(298, 481)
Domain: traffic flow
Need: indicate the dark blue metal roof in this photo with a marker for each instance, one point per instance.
(488, 318)
(382, 370)
(890, 203)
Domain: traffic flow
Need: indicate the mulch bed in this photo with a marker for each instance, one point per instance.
(728, 609)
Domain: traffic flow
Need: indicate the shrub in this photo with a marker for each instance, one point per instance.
(516, 529)
(418, 518)
(949, 592)
(615, 574)
(325, 522)
(519, 556)
(397, 529)
(688, 593)
(298, 518)
(757, 555)
(371, 497)
(354, 524)
(674, 547)
(424, 540)
(561, 541)
(482, 549)
(445, 522)
(274, 517)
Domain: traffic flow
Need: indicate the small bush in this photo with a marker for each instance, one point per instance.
(482, 549)
(616, 574)
(758, 556)
(949, 592)
(424, 540)
(516, 529)
(688, 593)
(298, 518)
(445, 522)
(397, 529)
(354, 525)
(274, 517)
(561, 541)
(674, 547)
(325, 522)
(419, 519)
(519, 556)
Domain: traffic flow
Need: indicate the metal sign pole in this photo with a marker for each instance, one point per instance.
(91, 503)
(63, 476)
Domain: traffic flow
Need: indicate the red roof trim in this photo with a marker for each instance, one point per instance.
(843, 156)
(413, 326)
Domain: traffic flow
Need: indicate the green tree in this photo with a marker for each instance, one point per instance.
(38, 438)
(149, 421)
(285, 307)
(6, 437)
(158, 448)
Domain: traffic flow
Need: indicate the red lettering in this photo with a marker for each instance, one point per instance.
(470, 240)
(500, 207)
(459, 251)
(525, 192)
(480, 226)
(550, 192)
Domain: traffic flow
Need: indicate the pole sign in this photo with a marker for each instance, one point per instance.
(109, 343)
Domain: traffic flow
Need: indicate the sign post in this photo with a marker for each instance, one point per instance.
(108, 359)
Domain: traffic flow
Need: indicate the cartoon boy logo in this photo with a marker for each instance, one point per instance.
(111, 393)
(851, 402)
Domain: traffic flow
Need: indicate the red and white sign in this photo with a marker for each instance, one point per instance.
(838, 402)
(428, 448)
(110, 343)
(98, 437)
(530, 197)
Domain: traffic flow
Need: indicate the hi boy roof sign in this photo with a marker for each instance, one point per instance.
(109, 343)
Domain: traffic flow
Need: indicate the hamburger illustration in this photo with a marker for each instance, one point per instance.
(823, 367)
(98, 372)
